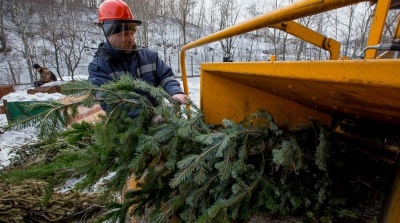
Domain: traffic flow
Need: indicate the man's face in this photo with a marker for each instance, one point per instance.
(121, 35)
(37, 69)
(123, 41)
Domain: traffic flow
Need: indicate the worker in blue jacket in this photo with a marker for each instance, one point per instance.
(121, 53)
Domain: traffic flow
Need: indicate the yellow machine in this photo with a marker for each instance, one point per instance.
(295, 93)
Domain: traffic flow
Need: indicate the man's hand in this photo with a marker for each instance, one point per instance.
(157, 119)
(181, 98)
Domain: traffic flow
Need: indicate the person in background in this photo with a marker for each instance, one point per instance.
(45, 75)
(122, 53)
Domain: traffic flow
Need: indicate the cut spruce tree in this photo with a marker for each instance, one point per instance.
(187, 170)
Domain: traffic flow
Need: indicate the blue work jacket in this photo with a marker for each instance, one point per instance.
(109, 64)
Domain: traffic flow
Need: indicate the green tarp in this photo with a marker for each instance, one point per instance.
(17, 110)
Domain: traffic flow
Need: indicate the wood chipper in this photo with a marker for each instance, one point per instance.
(349, 95)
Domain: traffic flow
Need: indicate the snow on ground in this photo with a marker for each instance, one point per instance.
(12, 140)
(23, 96)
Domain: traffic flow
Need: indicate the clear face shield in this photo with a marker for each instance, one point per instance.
(123, 35)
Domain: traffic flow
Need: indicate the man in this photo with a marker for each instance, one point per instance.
(45, 75)
(121, 53)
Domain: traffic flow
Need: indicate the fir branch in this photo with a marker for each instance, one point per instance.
(289, 156)
(225, 167)
(185, 173)
(78, 88)
(223, 205)
(321, 153)
(186, 169)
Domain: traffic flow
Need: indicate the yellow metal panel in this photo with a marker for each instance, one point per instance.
(377, 25)
(223, 98)
(355, 88)
(311, 36)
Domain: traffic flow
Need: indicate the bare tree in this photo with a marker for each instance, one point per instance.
(3, 37)
(224, 14)
(91, 3)
(346, 33)
(77, 3)
(200, 14)
(181, 9)
(199, 20)
(363, 23)
(299, 44)
(74, 40)
(52, 34)
(351, 27)
(229, 14)
(21, 16)
(13, 74)
(254, 9)
(163, 29)
(147, 11)
(276, 37)
(390, 25)
(307, 50)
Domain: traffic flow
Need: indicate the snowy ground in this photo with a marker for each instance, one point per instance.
(11, 140)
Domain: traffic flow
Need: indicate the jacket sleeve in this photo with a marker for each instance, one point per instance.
(45, 76)
(97, 72)
(166, 77)
(98, 76)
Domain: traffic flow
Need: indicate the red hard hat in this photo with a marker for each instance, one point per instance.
(114, 10)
